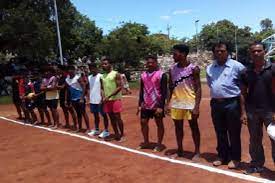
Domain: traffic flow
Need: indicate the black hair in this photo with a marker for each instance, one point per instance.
(220, 44)
(92, 65)
(258, 43)
(105, 58)
(182, 48)
(154, 57)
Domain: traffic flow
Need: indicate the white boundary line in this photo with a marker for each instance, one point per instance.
(181, 162)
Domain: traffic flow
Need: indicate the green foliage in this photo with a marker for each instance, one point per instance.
(26, 25)
(266, 24)
(127, 44)
(160, 44)
(28, 29)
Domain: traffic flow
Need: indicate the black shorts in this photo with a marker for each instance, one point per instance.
(41, 104)
(150, 113)
(52, 104)
(30, 105)
(79, 107)
(62, 102)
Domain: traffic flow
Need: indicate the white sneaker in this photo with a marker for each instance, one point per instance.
(94, 133)
(104, 134)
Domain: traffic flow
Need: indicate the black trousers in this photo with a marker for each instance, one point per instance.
(256, 120)
(226, 119)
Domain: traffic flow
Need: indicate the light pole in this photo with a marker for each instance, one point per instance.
(236, 45)
(58, 33)
(197, 43)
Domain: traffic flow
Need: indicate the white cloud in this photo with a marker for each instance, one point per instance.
(165, 17)
(179, 12)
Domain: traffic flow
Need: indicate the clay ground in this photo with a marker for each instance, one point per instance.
(34, 155)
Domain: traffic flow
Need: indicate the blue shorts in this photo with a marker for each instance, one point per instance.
(96, 108)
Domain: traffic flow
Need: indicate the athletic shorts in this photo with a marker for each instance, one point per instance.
(79, 107)
(112, 106)
(52, 104)
(30, 105)
(96, 108)
(62, 103)
(181, 114)
(150, 113)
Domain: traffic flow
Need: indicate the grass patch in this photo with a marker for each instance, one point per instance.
(5, 100)
(203, 73)
(134, 84)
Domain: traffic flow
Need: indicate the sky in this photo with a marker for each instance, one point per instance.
(179, 15)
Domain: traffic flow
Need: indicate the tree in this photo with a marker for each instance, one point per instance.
(161, 43)
(225, 31)
(127, 44)
(26, 28)
(266, 24)
(79, 34)
(266, 30)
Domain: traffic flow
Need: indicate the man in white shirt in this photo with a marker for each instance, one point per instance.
(96, 101)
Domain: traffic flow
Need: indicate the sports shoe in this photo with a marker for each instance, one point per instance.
(252, 170)
(218, 162)
(104, 134)
(233, 164)
(94, 132)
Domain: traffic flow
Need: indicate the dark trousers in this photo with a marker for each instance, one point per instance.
(226, 119)
(256, 120)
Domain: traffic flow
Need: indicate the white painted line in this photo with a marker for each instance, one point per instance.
(182, 162)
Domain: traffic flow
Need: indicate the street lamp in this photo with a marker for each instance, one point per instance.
(236, 45)
(197, 45)
(58, 33)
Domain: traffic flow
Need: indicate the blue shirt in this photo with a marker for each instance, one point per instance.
(75, 94)
(224, 80)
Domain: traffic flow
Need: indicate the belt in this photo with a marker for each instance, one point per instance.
(225, 99)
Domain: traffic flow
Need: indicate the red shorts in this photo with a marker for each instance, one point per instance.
(112, 106)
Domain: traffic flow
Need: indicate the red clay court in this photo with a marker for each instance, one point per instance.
(35, 154)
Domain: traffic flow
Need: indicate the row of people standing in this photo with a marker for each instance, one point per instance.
(238, 95)
(70, 89)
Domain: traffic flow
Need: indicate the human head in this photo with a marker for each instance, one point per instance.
(106, 64)
(151, 63)
(220, 52)
(180, 52)
(71, 70)
(257, 52)
(93, 68)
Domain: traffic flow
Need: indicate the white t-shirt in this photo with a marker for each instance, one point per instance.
(73, 82)
(95, 89)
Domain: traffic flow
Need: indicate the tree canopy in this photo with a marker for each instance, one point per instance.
(28, 29)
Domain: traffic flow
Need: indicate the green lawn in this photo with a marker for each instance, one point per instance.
(203, 73)
(5, 100)
(134, 84)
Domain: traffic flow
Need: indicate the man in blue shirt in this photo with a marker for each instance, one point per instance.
(223, 77)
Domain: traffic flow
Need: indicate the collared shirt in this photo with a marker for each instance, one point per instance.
(224, 80)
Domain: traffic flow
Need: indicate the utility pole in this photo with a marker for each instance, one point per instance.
(197, 42)
(236, 44)
(168, 30)
(58, 33)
